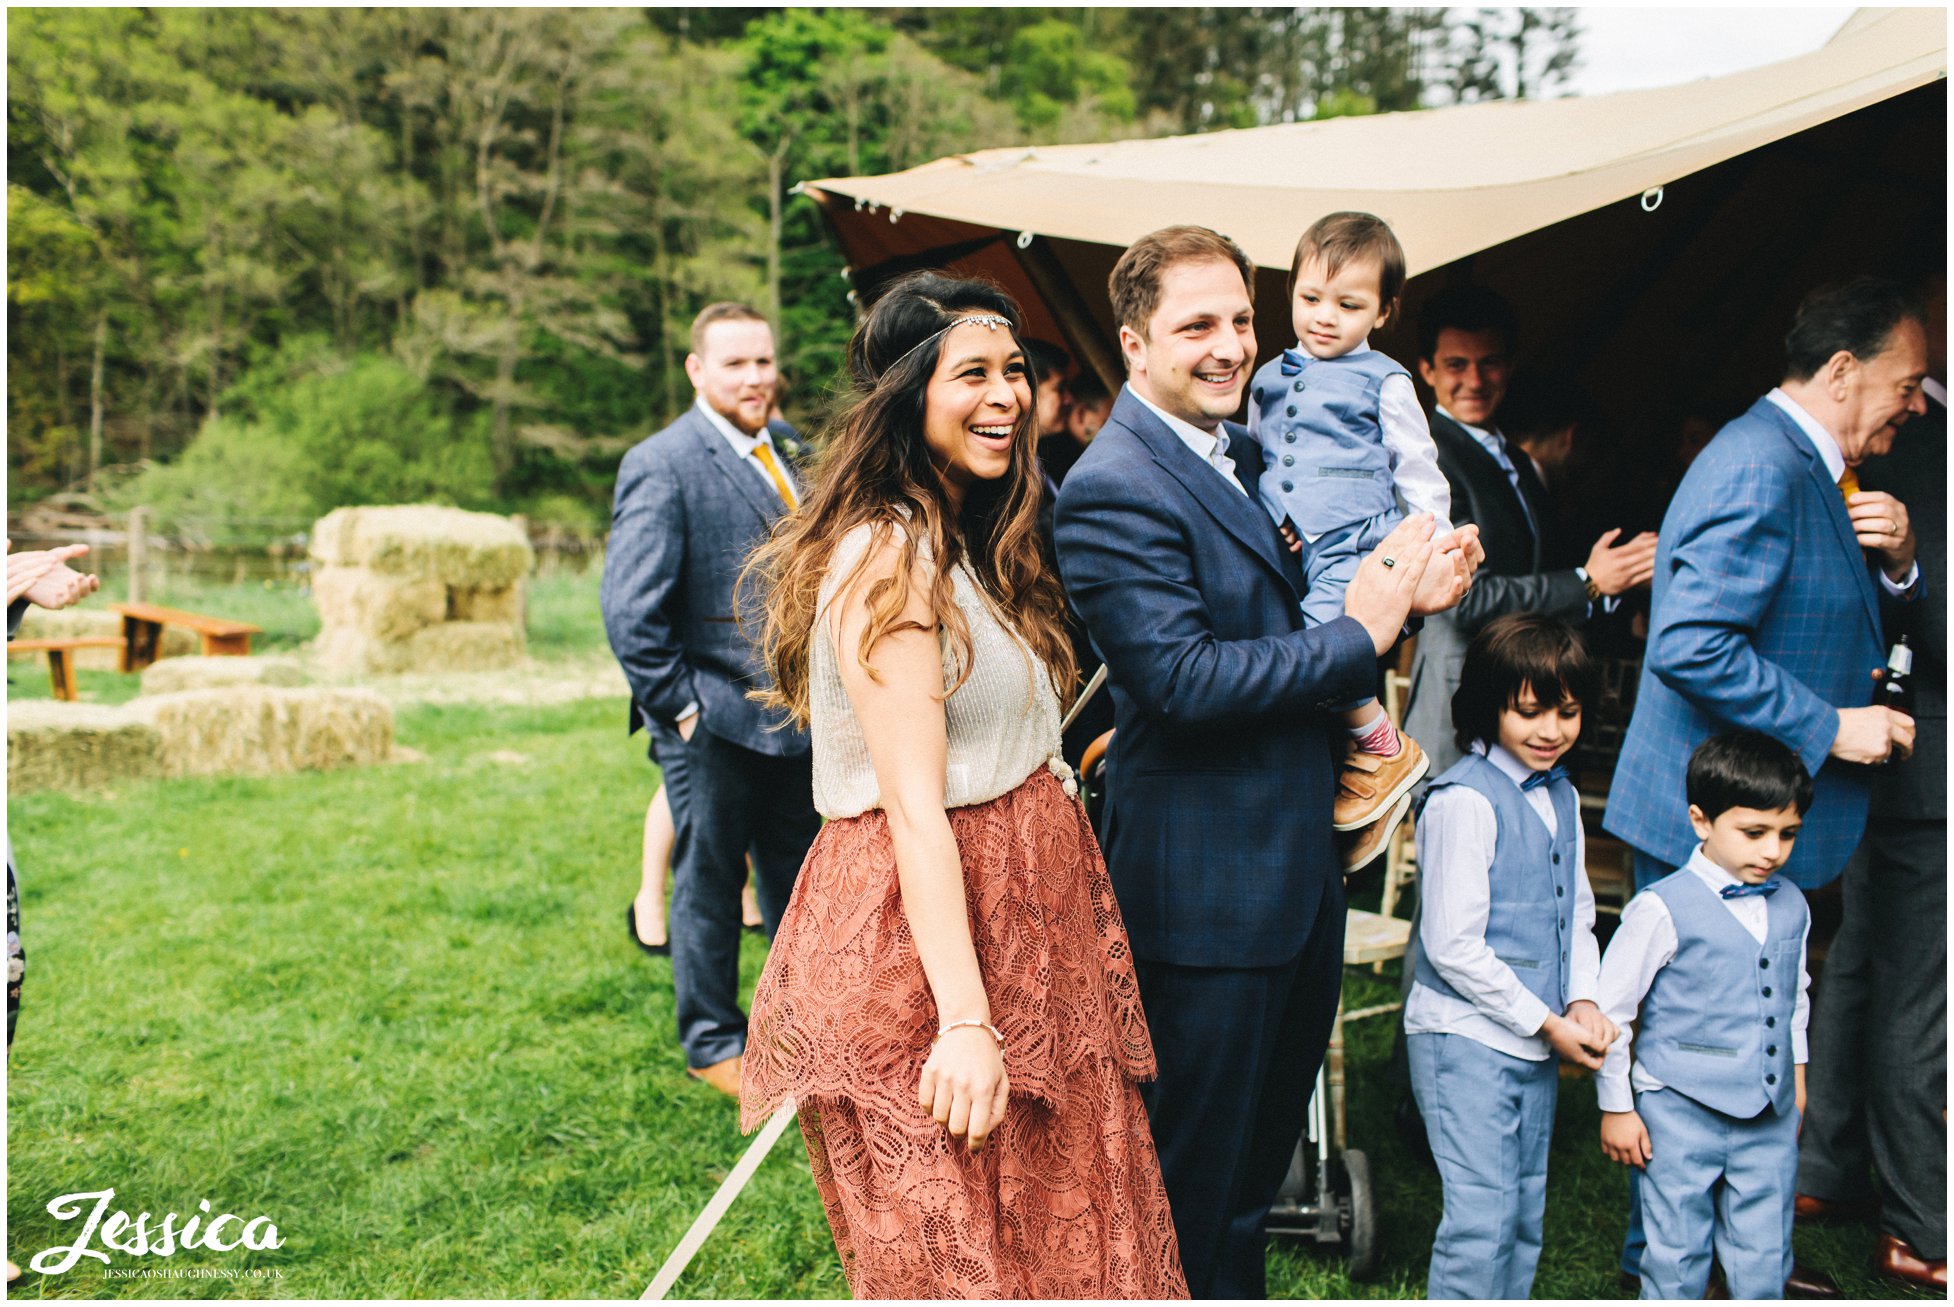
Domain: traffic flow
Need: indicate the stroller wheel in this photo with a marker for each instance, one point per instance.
(1363, 1248)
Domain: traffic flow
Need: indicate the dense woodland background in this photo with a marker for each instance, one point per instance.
(263, 263)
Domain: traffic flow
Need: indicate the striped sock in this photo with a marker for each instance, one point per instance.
(1378, 737)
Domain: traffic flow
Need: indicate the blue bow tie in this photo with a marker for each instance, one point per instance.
(1293, 362)
(1548, 777)
(1745, 891)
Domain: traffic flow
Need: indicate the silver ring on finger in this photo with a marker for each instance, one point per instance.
(1390, 562)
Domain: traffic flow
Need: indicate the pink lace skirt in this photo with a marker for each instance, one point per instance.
(1066, 1201)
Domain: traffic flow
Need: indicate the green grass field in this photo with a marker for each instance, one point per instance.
(396, 1011)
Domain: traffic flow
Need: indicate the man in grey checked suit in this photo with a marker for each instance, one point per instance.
(1879, 1023)
(692, 502)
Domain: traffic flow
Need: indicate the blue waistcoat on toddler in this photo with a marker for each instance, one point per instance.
(1716, 1022)
(1325, 465)
(1531, 870)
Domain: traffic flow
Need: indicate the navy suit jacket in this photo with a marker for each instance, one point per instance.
(1222, 775)
(1765, 616)
(687, 514)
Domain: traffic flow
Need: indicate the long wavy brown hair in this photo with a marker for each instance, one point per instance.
(875, 468)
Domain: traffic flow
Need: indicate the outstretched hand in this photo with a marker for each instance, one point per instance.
(43, 577)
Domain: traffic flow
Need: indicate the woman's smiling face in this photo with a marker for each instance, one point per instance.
(979, 395)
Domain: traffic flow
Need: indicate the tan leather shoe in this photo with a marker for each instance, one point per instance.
(1895, 1259)
(723, 1076)
(1359, 847)
(1368, 785)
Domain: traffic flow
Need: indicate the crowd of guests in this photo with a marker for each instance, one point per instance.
(1029, 1066)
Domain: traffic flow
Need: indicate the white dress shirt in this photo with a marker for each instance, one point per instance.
(1408, 440)
(1495, 444)
(1211, 447)
(1456, 836)
(743, 446)
(1644, 944)
(1833, 457)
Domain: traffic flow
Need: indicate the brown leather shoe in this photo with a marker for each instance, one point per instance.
(1361, 846)
(1810, 1209)
(1809, 1282)
(1895, 1259)
(1369, 785)
(723, 1076)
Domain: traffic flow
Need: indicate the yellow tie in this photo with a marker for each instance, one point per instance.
(1849, 486)
(764, 452)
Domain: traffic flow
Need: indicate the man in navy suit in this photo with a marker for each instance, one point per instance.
(692, 501)
(1222, 773)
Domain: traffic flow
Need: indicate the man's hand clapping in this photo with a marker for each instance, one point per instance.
(1615, 568)
(43, 577)
(1387, 581)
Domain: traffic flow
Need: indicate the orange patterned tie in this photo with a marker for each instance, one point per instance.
(764, 452)
(1849, 486)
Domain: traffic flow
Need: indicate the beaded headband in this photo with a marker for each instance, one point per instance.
(991, 320)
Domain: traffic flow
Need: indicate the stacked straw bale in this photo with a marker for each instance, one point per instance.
(72, 746)
(418, 588)
(200, 673)
(265, 730)
(40, 624)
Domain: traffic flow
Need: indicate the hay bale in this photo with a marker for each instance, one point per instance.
(460, 548)
(380, 605)
(486, 604)
(40, 624)
(76, 746)
(263, 730)
(172, 675)
(465, 647)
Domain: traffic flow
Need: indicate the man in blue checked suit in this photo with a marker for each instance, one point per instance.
(692, 501)
(1222, 772)
(1769, 582)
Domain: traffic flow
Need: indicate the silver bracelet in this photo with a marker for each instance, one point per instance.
(972, 1021)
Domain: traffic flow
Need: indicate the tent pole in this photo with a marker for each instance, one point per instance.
(1074, 319)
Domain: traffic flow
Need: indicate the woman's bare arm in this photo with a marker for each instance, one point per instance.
(901, 712)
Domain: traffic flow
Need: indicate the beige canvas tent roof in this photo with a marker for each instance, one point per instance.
(1450, 181)
(1654, 242)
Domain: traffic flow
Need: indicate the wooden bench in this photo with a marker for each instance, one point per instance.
(142, 633)
(60, 667)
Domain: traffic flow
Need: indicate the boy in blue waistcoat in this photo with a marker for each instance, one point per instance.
(1712, 956)
(1342, 439)
(1505, 961)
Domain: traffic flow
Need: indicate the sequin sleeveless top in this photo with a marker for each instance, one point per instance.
(1003, 720)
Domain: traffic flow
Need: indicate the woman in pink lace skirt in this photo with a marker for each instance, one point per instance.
(950, 999)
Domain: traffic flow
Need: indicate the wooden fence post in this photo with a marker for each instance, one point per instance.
(138, 553)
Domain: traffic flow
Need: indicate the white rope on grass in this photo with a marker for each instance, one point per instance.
(722, 1200)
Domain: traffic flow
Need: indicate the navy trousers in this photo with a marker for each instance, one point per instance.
(726, 800)
(1238, 1053)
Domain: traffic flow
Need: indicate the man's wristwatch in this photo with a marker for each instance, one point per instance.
(1594, 591)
